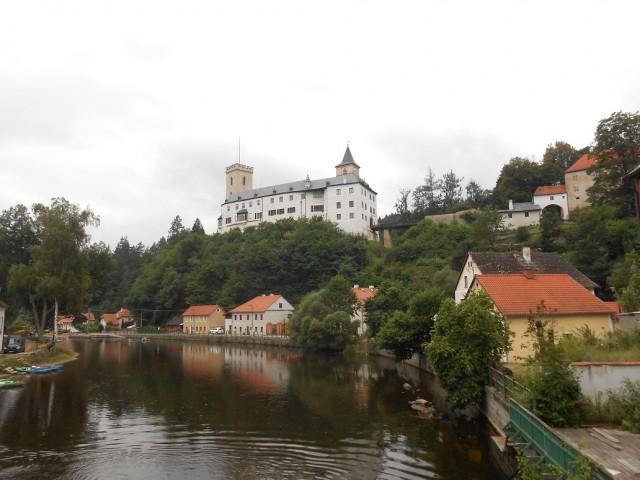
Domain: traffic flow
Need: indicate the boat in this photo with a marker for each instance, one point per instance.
(4, 383)
(42, 369)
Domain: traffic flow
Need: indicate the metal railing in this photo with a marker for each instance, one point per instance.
(505, 384)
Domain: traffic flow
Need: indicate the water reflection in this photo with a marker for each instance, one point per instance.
(170, 409)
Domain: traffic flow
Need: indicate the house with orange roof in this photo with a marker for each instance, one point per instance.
(577, 180)
(552, 196)
(109, 320)
(362, 295)
(65, 324)
(199, 319)
(262, 315)
(555, 299)
(124, 316)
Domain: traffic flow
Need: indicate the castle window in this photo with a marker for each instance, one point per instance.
(258, 202)
(258, 216)
(338, 204)
(280, 199)
(338, 217)
(350, 189)
(230, 180)
(338, 191)
(351, 203)
(317, 208)
(291, 210)
(272, 213)
(351, 215)
(290, 198)
(281, 211)
(227, 220)
(272, 199)
(237, 206)
(244, 181)
(228, 207)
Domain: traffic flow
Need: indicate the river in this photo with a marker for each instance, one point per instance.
(176, 409)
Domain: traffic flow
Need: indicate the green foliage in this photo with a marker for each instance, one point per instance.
(488, 225)
(617, 147)
(58, 267)
(550, 222)
(553, 389)
(522, 234)
(518, 180)
(392, 297)
(624, 404)
(322, 321)
(562, 155)
(406, 333)
(630, 296)
(469, 338)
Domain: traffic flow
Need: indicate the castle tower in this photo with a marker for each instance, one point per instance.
(239, 179)
(348, 165)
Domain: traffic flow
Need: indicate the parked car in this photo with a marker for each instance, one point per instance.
(217, 331)
(13, 344)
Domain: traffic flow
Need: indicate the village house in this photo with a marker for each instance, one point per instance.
(199, 319)
(479, 263)
(552, 196)
(65, 324)
(523, 214)
(262, 315)
(346, 199)
(362, 295)
(556, 300)
(116, 320)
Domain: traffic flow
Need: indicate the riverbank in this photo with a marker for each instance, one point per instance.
(38, 356)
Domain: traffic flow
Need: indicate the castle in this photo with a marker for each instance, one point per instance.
(346, 199)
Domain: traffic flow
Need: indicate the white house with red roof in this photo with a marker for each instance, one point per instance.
(262, 315)
(65, 324)
(577, 180)
(362, 295)
(199, 319)
(552, 196)
(346, 199)
(554, 298)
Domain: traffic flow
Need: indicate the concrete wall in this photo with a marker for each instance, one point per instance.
(597, 377)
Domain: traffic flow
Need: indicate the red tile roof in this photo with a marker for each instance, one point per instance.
(89, 316)
(67, 319)
(585, 161)
(198, 310)
(550, 190)
(257, 304)
(123, 312)
(364, 293)
(110, 318)
(520, 294)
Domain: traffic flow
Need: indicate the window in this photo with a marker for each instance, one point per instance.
(258, 202)
(231, 181)
(575, 178)
(317, 208)
(551, 198)
(351, 203)
(576, 188)
(258, 216)
(303, 196)
(280, 199)
(351, 215)
(242, 204)
(237, 206)
(338, 217)
(241, 217)
(272, 199)
(526, 214)
(291, 210)
(317, 194)
(281, 211)
(291, 198)
(338, 204)
(244, 181)
(227, 220)
(466, 281)
(272, 213)
(280, 305)
(350, 189)
(228, 207)
(510, 215)
(251, 204)
(338, 191)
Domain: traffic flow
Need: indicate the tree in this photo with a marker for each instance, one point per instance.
(553, 389)
(59, 266)
(425, 198)
(518, 181)
(176, 227)
(550, 222)
(469, 338)
(402, 205)
(197, 227)
(477, 197)
(617, 148)
(391, 298)
(451, 188)
(322, 321)
(406, 333)
(486, 228)
(630, 296)
(561, 154)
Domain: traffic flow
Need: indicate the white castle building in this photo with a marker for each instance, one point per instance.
(345, 199)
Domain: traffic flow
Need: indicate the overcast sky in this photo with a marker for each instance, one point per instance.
(134, 108)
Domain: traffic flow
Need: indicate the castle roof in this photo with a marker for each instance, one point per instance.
(348, 159)
(550, 190)
(583, 163)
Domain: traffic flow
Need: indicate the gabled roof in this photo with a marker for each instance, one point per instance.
(523, 294)
(89, 316)
(199, 310)
(584, 162)
(347, 159)
(67, 319)
(550, 190)
(123, 312)
(257, 304)
(541, 262)
(110, 318)
(364, 293)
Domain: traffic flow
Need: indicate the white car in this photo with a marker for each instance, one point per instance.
(217, 331)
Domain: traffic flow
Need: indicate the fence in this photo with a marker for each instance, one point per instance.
(505, 384)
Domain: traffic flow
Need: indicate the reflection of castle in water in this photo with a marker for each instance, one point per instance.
(261, 370)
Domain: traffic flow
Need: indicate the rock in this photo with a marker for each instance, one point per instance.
(407, 387)
(421, 401)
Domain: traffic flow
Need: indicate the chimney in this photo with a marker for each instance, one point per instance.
(528, 273)
(526, 254)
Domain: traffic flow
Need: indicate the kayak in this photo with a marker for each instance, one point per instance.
(42, 369)
(10, 383)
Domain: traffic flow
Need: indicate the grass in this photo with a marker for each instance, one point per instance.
(38, 356)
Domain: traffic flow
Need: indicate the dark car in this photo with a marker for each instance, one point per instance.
(13, 344)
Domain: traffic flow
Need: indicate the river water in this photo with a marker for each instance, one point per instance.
(173, 410)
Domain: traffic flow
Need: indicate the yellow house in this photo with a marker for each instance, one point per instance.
(199, 319)
(554, 298)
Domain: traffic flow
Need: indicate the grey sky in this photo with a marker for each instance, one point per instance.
(134, 108)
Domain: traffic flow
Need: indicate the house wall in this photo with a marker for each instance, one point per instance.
(577, 184)
(515, 219)
(201, 324)
(596, 377)
(559, 200)
(466, 277)
(563, 324)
